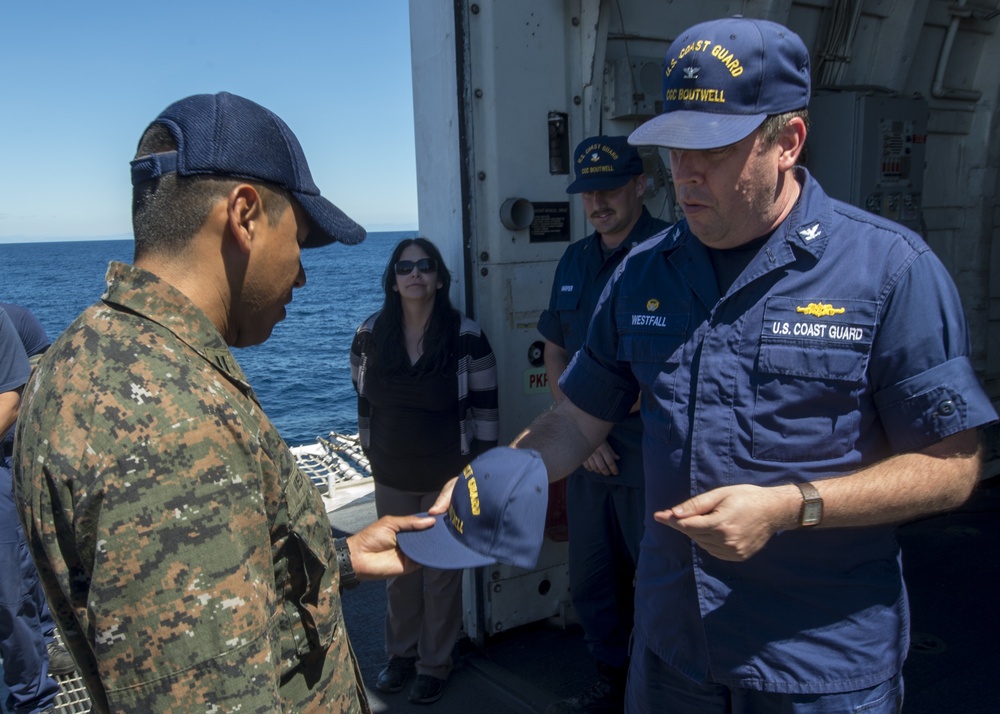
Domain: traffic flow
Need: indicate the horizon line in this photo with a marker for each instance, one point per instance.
(20, 239)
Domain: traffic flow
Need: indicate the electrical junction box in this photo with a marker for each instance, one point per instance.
(633, 88)
(869, 149)
(497, 598)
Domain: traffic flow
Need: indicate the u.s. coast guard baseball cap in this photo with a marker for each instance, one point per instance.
(604, 163)
(226, 135)
(722, 78)
(497, 515)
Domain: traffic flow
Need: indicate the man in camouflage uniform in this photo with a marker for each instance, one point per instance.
(188, 561)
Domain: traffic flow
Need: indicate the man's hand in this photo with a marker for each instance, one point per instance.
(734, 522)
(374, 551)
(602, 461)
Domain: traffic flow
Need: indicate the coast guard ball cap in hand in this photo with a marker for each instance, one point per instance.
(226, 135)
(604, 163)
(497, 514)
(722, 78)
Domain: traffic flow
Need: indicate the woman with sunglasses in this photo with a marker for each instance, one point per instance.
(427, 404)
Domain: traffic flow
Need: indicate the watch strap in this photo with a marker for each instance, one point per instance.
(812, 505)
(348, 578)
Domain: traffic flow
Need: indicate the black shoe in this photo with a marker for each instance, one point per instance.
(604, 696)
(60, 661)
(394, 676)
(426, 689)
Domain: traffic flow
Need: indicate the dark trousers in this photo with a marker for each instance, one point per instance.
(654, 686)
(25, 622)
(605, 527)
(423, 609)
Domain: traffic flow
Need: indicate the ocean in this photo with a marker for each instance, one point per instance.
(302, 374)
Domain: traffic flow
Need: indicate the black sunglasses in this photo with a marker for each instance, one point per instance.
(424, 265)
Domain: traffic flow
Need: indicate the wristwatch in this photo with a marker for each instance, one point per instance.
(812, 505)
(348, 579)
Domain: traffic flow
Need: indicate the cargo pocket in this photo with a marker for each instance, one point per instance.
(808, 399)
(310, 601)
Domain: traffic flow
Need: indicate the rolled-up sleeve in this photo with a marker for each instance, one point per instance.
(925, 386)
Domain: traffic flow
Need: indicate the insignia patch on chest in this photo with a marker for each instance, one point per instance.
(653, 305)
(840, 320)
(819, 309)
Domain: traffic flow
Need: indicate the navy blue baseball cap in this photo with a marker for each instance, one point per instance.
(226, 135)
(497, 515)
(722, 78)
(604, 163)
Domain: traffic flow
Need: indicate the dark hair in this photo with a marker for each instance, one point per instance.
(388, 354)
(167, 212)
(774, 123)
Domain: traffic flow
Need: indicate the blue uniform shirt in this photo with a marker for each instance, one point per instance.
(14, 367)
(28, 328)
(30, 335)
(580, 278)
(841, 344)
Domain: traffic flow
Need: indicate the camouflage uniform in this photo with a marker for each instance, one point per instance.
(187, 559)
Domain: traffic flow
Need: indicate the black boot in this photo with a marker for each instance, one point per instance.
(605, 696)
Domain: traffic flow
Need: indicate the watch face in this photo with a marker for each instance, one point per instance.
(811, 513)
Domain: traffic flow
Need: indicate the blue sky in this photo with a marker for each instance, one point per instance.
(80, 81)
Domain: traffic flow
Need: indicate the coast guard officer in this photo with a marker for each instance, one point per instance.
(604, 496)
(806, 384)
(31, 654)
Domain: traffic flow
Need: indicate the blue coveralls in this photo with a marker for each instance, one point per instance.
(605, 512)
(842, 343)
(24, 617)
